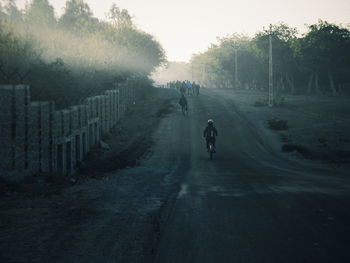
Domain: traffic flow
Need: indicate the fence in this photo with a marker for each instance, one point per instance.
(34, 137)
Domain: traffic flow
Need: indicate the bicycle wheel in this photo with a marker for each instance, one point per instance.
(211, 151)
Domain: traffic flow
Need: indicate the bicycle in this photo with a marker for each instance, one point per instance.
(184, 109)
(211, 149)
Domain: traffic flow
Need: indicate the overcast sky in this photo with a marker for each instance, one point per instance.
(185, 27)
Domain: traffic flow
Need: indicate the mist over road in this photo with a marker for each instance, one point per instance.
(249, 204)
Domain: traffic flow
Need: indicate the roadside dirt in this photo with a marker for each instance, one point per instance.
(124, 145)
(97, 209)
(314, 127)
(133, 133)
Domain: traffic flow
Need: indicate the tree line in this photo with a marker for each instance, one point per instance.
(75, 55)
(317, 61)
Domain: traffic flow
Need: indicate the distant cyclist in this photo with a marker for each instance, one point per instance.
(184, 104)
(189, 88)
(183, 87)
(196, 88)
(210, 132)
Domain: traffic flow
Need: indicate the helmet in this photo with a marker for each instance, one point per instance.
(210, 121)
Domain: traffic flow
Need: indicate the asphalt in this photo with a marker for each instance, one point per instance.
(249, 204)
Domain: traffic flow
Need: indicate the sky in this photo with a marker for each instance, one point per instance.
(185, 27)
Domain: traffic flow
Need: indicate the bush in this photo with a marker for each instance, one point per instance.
(260, 103)
(277, 124)
(295, 148)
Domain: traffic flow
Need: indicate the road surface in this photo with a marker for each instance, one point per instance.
(249, 204)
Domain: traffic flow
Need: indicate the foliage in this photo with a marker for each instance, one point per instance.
(78, 18)
(326, 48)
(76, 55)
(40, 12)
(319, 59)
(120, 18)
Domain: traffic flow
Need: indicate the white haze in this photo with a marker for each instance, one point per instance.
(85, 51)
(173, 71)
(185, 27)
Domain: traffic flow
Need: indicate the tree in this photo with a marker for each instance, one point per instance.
(2, 13)
(40, 12)
(284, 62)
(79, 57)
(248, 66)
(78, 18)
(147, 52)
(120, 18)
(14, 15)
(325, 50)
(16, 57)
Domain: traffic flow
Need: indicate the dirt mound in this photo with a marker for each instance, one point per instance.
(335, 156)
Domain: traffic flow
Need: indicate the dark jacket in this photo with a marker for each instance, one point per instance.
(183, 101)
(210, 131)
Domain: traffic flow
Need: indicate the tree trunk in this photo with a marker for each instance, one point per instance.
(291, 83)
(309, 86)
(317, 88)
(331, 83)
(281, 85)
(292, 86)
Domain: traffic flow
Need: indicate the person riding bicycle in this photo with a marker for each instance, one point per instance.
(196, 88)
(183, 103)
(210, 132)
(183, 87)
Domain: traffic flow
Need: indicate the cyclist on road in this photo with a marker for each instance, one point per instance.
(196, 88)
(210, 132)
(183, 103)
(183, 87)
(189, 88)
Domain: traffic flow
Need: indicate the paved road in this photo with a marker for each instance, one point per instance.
(249, 204)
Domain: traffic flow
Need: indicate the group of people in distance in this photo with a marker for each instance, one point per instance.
(185, 87)
(192, 89)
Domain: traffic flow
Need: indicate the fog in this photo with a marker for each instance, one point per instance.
(242, 154)
(80, 51)
(76, 53)
(173, 71)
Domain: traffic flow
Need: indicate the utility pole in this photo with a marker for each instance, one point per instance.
(236, 64)
(203, 73)
(271, 95)
(236, 69)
